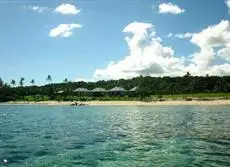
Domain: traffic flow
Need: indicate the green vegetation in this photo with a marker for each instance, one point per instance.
(149, 88)
(198, 96)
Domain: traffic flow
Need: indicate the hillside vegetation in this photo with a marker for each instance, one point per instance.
(149, 88)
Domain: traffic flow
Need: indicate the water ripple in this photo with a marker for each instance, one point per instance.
(188, 136)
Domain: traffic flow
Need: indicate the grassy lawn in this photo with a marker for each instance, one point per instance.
(198, 95)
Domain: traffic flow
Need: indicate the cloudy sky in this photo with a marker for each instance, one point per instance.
(93, 40)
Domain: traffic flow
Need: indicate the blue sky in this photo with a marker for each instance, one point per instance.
(29, 50)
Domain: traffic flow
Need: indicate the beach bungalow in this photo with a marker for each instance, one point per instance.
(60, 91)
(98, 92)
(117, 91)
(81, 90)
(134, 89)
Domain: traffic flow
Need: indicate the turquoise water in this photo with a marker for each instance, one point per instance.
(166, 136)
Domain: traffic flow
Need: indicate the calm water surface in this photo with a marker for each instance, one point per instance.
(169, 136)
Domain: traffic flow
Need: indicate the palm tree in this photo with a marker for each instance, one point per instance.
(13, 82)
(21, 82)
(32, 82)
(65, 80)
(49, 79)
(187, 74)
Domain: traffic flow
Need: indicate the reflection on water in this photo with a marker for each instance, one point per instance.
(115, 136)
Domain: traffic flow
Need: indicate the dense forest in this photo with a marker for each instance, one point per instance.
(146, 87)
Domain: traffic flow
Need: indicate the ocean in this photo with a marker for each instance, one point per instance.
(114, 136)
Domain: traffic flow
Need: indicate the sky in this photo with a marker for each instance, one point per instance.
(92, 40)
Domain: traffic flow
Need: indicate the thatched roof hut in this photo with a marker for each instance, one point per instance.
(60, 91)
(81, 90)
(134, 89)
(98, 90)
(117, 89)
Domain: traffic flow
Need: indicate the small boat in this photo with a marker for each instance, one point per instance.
(78, 104)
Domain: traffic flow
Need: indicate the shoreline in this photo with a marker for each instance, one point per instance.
(123, 103)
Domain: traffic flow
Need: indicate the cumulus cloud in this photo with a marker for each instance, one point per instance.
(170, 35)
(184, 36)
(224, 54)
(213, 36)
(148, 56)
(180, 35)
(67, 9)
(64, 30)
(216, 37)
(170, 8)
(38, 9)
(227, 3)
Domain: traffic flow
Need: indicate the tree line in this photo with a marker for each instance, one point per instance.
(146, 86)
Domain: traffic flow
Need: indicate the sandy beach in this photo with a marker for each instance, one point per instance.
(124, 103)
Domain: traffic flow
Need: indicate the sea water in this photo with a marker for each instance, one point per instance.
(114, 136)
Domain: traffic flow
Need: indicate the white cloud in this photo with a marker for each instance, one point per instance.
(148, 56)
(213, 36)
(216, 37)
(64, 30)
(170, 8)
(38, 9)
(227, 3)
(170, 35)
(180, 35)
(220, 70)
(224, 54)
(67, 9)
(204, 58)
(184, 36)
(138, 28)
